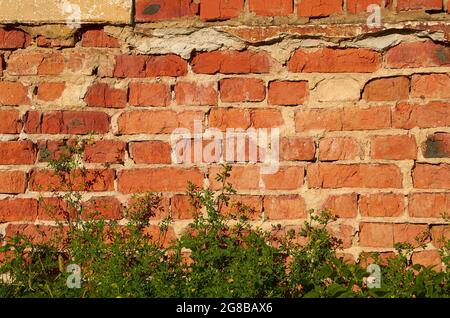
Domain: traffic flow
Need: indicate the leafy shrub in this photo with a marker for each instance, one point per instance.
(219, 255)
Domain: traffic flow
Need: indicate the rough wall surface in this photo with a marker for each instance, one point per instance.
(364, 113)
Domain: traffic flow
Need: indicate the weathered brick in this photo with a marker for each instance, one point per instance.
(323, 8)
(343, 205)
(427, 176)
(401, 147)
(13, 39)
(12, 210)
(430, 86)
(297, 149)
(354, 176)
(231, 62)
(50, 91)
(386, 235)
(403, 5)
(440, 234)
(67, 122)
(233, 90)
(17, 152)
(105, 151)
(328, 60)
(30, 63)
(149, 66)
(158, 179)
(181, 208)
(10, 122)
(387, 89)
(158, 10)
(102, 95)
(98, 38)
(157, 122)
(108, 208)
(288, 93)
(429, 258)
(382, 205)
(38, 234)
(270, 8)
(408, 116)
(211, 10)
(267, 118)
(284, 207)
(13, 182)
(357, 6)
(437, 146)
(13, 94)
(198, 94)
(417, 54)
(428, 205)
(338, 148)
(149, 94)
(152, 152)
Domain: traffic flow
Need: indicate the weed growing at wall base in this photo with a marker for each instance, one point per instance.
(220, 254)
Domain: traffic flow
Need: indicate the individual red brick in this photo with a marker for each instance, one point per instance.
(382, 205)
(372, 118)
(329, 119)
(10, 122)
(181, 208)
(430, 86)
(428, 205)
(284, 207)
(108, 208)
(437, 146)
(233, 90)
(67, 122)
(343, 232)
(152, 152)
(149, 66)
(42, 41)
(323, 8)
(250, 178)
(440, 234)
(354, 176)
(105, 151)
(338, 148)
(231, 62)
(288, 93)
(297, 149)
(387, 89)
(407, 233)
(357, 6)
(235, 207)
(403, 5)
(428, 176)
(161, 238)
(95, 180)
(50, 91)
(12, 210)
(267, 118)
(271, 8)
(408, 116)
(198, 94)
(401, 147)
(102, 95)
(386, 235)
(17, 152)
(158, 10)
(2, 64)
(328, 60)
(13, 182)
(13, 39)
(157, 122)
(417, 54)
(223, 118)
(149, 94)
(98, 38)
(211, 10)
(38, 234)
(158, 179)
(20, 63)
(14, 94)
(430, 258)
(343, 205)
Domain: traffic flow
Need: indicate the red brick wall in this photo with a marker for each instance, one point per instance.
(364, 113)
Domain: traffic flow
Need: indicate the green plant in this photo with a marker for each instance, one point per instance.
(222, 253)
